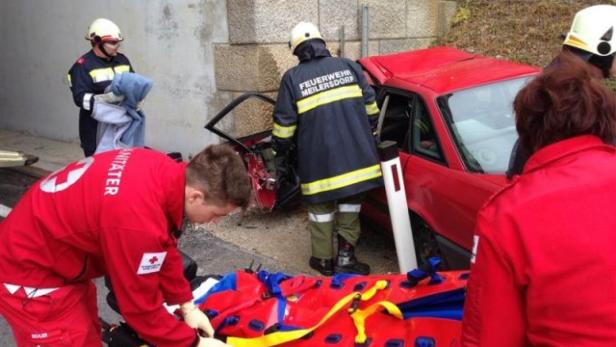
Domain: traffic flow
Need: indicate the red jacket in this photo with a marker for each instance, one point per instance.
(107, 214)
(545, 267)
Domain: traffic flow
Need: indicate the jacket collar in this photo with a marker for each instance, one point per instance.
(311, 49)
(562, 149)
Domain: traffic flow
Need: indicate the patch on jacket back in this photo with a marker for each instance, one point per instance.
(151, 262)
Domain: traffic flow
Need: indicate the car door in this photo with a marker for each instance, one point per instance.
(254, 145)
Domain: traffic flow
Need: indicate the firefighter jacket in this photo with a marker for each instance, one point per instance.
(544, 270)
(325, 107)
(107, 214)
(90, 75)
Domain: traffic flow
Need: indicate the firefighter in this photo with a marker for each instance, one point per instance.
(117, 213)
(543, 263)
(323, 119)
(92, 73)
(592, 39)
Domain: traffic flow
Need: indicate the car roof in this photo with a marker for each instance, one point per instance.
(443, 69)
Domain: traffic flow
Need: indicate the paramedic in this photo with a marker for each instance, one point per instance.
(543, 266)
(92, 73)
(116, 213)
(324, 114)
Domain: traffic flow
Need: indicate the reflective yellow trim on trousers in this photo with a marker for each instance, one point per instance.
(283, 132)
(372, 109)
(343, 180)
(280, 337)
(328, 96)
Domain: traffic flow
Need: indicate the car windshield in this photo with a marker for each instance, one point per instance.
(483, 125)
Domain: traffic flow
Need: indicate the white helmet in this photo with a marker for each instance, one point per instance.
(592, 30)
(103, 29)
(303, 32)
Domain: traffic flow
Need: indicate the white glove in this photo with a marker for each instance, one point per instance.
(210, 342)
(109, 98)
(196, 319)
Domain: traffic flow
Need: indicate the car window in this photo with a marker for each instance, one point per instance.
(424, 141)
(407, 122)
(482, 122)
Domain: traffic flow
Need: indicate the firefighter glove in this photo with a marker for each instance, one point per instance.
(210, 342)
(196, 319)
(109, 98)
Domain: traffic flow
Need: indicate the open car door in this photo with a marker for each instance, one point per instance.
(257, 152)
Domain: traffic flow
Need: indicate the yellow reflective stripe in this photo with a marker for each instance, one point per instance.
(68, 78)
(104, 74)
(340, 181)
(372, 109)
(121, 68)
(359, 317)
(326, 97)
(280, 337)
(283, 132)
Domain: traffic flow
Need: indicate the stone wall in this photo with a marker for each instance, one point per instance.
(257, 53)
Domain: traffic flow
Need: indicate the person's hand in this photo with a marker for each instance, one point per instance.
(196, 319)
(210, 342)
(109, 98)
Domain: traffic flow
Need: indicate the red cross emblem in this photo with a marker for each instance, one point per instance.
(66, 176)
(153, 260)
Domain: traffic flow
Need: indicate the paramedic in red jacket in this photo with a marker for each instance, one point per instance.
(116, 213)
(544, 263)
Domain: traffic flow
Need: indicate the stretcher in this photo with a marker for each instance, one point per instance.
(260, 309)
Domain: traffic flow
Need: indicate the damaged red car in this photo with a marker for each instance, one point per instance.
(450, 113)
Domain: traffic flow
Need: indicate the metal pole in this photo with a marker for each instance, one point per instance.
(398, 208)
(364, 31)
(341, 42)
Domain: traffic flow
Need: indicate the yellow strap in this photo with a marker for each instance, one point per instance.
(359, 317)
(281, 337)
(328, 96)
(344, 180)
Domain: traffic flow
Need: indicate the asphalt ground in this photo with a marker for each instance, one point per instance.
(212, 254)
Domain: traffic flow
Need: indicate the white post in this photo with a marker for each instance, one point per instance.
(398, 209)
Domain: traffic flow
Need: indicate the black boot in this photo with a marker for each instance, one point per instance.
(324, 266)
(346, 261)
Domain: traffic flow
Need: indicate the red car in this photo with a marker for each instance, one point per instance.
(450, 112)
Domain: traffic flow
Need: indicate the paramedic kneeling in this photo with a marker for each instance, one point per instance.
(117, 213)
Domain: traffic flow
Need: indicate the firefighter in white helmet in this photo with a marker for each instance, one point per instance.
(336, 155)
(592, 39)
(93, 72)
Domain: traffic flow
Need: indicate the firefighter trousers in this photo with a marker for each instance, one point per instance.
(338, 216)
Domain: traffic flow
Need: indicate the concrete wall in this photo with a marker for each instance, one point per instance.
(257, 53)
(170, 41)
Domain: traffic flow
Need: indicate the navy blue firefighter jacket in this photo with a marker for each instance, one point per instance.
(326, 109)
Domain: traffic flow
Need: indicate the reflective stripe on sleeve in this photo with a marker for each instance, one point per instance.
(340, 181)
(283, 132)
(86, 101)
(349, 208)
(68, 78)
(372, 109)
(321, 218)
(328, 96)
